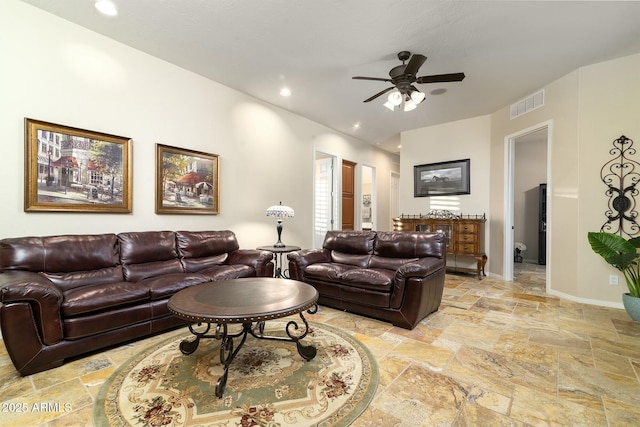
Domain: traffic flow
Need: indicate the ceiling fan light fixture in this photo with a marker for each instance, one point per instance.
(409, 105)
(417, 97)
(106, 7)
(285, 91)
(403, 78)
(395, 98)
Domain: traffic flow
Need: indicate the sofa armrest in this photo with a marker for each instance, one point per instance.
(300, 259)
(259, 260)
(44, 297)
(420, 268)
(421, 271)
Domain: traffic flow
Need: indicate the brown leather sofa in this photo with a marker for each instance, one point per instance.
(397, 277)
(63, 296)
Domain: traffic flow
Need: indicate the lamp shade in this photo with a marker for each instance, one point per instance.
(409, 105)
(389, 105)
(395, 98)
(280, 211)
(417, 97)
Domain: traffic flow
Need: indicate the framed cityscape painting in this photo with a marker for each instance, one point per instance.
(75, 170)
(186, 181)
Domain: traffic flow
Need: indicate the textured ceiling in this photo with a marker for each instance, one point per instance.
(507, 49)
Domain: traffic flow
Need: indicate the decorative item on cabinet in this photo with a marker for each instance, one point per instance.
(464, 234)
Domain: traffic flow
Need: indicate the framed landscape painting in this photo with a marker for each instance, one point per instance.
(186, 181)
(75, 170)
(441, 179)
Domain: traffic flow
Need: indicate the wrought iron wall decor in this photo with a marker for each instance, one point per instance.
(621, 175)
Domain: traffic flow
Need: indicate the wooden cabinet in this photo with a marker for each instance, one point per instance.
(464, 235)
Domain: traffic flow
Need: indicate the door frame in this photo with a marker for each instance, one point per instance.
(509, 178)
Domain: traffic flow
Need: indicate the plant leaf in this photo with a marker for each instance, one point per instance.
(635, 242)
(615, 249)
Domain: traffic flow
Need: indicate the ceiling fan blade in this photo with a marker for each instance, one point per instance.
(441, 78)
(379, 93)
(414, 64)
(380, 79)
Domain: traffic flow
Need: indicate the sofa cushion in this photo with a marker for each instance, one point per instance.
(168, 284)
(102, 297)
(67, 281)
(198, 244)
(389, 263)
(193, 265)
(59, 254)
(409, 244)
(350, 259)
(350, 242)
(369, 278)
(148, 254)
(331, 272)
(145, 246)
(228, 272)
(137, 272)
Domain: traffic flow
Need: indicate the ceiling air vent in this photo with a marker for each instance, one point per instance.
(530, 103)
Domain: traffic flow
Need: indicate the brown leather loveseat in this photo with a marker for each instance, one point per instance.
(397, 277)
(63, 296)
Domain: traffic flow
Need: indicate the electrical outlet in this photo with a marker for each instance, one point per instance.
(613, 280)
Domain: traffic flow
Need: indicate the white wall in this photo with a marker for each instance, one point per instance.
(588, 109)
(56, 71)
(609, 108)
(464, 139)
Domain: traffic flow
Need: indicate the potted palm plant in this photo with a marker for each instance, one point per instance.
(622, 254)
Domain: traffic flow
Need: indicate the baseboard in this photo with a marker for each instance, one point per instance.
(586, 300)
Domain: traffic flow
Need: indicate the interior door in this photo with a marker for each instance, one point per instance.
(348, 195)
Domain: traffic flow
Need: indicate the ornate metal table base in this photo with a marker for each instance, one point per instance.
(227, 351)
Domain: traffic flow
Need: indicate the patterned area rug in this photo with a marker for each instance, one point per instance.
(269, 384)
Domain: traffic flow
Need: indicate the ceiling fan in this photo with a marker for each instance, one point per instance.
(403, 78)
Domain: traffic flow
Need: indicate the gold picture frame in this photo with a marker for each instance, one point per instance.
(75, 170)
(187, 181)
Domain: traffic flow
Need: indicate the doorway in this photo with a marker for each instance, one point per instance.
(368, 194)
(526, 169)
(325, 203)
(394, 197)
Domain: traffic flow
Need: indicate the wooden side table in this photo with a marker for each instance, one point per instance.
(279, 271)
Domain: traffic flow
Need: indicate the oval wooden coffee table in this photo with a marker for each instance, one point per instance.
(249, 302)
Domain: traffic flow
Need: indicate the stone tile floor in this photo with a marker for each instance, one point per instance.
(495, 354)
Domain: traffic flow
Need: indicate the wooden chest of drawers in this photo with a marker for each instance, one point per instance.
(465, 235)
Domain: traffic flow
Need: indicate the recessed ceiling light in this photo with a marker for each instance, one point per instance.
(285, 91)
(356, 126)
(399, 145)
(106, 7)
